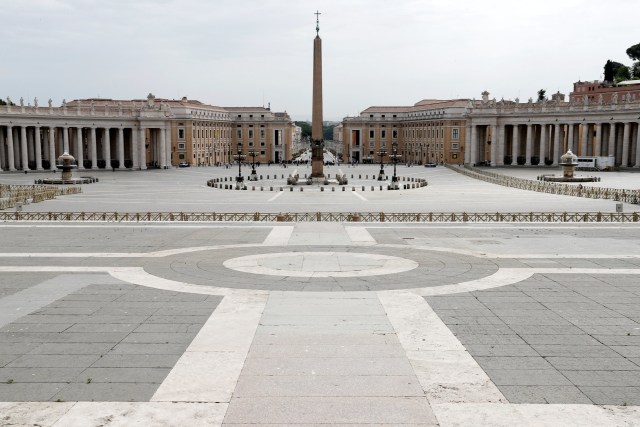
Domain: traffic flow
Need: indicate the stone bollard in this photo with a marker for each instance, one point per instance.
(343, 188)
(253, 188)
(301, 189)
(372, 187)
(333, 188)
(290, 188)
(381, 188)
(353, 188)
(281, 189)
(270, 188)
(261, 188)
(260, 176)
(363, 188)
(321, 188)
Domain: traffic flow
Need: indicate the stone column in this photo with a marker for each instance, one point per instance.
(625, 145)
(556, 145)
(163, 153)
(590, 134)
(38, 141)
(527, 161)
(611, 144)
(515, 147)
(121, 148)
(598, 149)
(543, 143)
(24, 154)
(473, 155)
(65, 137)
(94, 148)
(494, 145)
(10, 153)
(3, 153)
(143, 150)
(467, 150)
(31, 145)
(106, 148)
(501, 138)
(637, 142)
(167, 147)
(570, 138)
(79, 149)
(585, 135)
(52, 147)
(134, 149)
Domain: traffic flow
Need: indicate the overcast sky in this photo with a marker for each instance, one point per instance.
(251, 52)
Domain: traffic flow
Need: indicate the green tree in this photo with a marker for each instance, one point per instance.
(622, 73)
(634, 52)
(635, 70)
(327, 133)
(306, 128)
(2, 102)
(541, 95)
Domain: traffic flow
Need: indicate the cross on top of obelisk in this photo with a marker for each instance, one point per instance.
(317, 22)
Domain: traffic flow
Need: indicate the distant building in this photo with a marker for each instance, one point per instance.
(602, 92)
(429, 131)
(139, 134)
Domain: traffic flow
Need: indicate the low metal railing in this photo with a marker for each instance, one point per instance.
(617, 194)
(418, 217)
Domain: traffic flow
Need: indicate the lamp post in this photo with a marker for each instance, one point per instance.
(254, 174)
(239, 178)
(394, 179)
(381, 153)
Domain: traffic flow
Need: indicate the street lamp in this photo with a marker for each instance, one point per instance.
(239, 178)
(254, 174)
(381, 153)
(394, 179)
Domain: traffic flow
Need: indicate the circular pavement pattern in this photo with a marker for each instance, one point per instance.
(316, 268)
(320, 264)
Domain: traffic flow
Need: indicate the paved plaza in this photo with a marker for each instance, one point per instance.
(318, 323)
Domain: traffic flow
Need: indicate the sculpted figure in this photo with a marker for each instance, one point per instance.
(50, 102)
(35, 102)
(21, 101)
(600, 99)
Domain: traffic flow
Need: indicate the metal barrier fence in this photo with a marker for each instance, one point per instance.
(428, 217)
(16, 195)
(617, 194)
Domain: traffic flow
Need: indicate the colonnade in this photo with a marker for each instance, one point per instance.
(531, 143)
(37, 146)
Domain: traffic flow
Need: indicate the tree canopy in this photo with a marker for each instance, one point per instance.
(634, 52)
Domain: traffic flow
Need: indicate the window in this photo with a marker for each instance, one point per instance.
(181, 156)
(394, 134)
(181, 146)
(371, 144)
(250, 133)
(455, 133)
(262, 133)
(455, 146)
(180, 133)
(262, 153)
(383, 133)
(239, 133)
(262, 144)
(372, 133)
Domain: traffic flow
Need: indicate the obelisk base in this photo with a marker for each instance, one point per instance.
(317, 160)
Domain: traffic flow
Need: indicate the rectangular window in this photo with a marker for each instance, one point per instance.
(181, 156)
(250, 133)
(261, 133)
(181, 146)
(180, 133)
(371, 144)
(372, 133)
(394, 134)
(455, 133)
(239, 133)
(383, 134)
(455, 146)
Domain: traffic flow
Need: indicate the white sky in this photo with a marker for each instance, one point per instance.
(251, 52)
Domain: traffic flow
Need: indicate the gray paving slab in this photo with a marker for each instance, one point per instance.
(551, 394)
(328, 410)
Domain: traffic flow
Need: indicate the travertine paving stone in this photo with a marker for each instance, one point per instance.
(110, 341)
(552, 338)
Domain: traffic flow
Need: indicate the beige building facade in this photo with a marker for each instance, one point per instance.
(138, 134)
(431, 131)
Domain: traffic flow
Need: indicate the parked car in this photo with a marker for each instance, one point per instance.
(184, 165)
(429, 165)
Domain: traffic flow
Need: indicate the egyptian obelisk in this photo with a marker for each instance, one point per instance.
(317, 140)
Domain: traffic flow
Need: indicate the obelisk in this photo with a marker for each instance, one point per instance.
(317, 139)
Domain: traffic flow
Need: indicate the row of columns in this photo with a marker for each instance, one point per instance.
(621, 141)
(22, 145)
